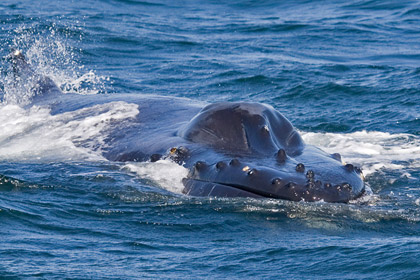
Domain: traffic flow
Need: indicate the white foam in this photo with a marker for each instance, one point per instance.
(165, 173)
(36, 135)
(372, 150)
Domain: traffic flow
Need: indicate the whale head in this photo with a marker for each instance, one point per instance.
(253, 150)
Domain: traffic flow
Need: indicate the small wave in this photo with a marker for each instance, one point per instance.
(9, 183)
(140, 3)
(123, 41)
(255, 80)
(412, 12)
(272, 28)
(375, 5)
(331, 216)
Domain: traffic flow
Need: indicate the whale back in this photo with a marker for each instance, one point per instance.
(243, 128)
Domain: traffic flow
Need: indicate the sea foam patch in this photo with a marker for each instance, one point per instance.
(35, 135)
(165, 173)
(373, 150)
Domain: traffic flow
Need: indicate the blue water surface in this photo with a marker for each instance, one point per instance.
(336, 69)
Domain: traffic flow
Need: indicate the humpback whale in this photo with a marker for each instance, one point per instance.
(232, 149)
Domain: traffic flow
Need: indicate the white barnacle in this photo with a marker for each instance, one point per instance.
(265, 127)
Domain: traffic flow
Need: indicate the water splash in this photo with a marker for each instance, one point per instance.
(50, 54)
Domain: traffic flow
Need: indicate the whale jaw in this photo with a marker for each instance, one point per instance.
(234, 178)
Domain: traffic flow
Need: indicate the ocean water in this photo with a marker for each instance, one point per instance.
(345, 73)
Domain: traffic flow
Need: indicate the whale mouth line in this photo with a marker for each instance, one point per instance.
(256, 193)
(238, 187)
(244, 188)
